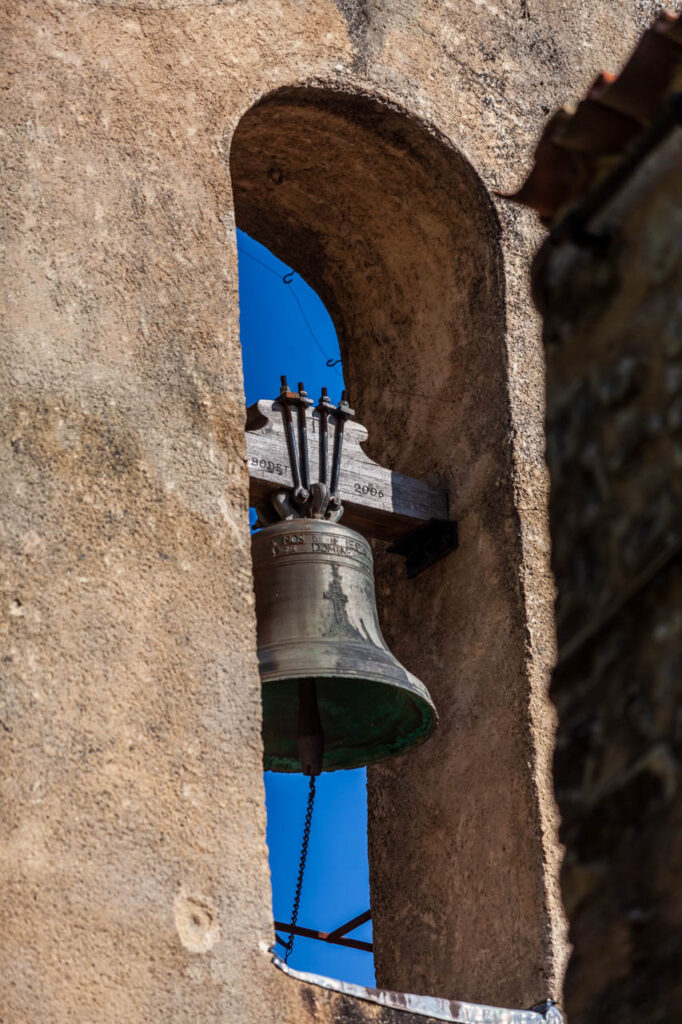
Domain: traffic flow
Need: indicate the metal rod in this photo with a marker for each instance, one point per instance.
(336, 457)
(303, 403)
(285, 402)
(343, 413)
(311, 933)
(324, 408)
(349, 926)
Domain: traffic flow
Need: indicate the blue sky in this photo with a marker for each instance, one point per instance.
(285, 328)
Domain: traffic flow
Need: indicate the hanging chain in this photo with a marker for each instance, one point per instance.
(289, 945)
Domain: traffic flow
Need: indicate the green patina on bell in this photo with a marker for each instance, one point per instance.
(333, 694)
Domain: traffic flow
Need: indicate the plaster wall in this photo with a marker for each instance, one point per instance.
(135, 881)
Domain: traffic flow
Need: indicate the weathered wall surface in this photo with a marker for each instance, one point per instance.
(406, 251)
(613, 324)
(135, 881)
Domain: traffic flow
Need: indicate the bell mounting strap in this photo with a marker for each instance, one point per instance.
(427, 1007)
(304, 499)
(294, 451)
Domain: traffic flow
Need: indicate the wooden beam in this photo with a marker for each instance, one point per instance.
(377, 502)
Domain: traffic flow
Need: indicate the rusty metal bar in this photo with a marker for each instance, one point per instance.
(350, 925)
(311, 933)
(303, 403)
(286, 399)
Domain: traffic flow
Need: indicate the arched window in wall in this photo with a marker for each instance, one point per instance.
(394, 230)
(285, 328)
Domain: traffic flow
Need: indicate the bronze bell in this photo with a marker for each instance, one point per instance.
(333, 694)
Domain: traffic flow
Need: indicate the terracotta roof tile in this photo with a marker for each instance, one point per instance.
(579, 147)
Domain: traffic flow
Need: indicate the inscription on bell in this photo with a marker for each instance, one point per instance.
(285, 544)
(339, 546)
(296, 543)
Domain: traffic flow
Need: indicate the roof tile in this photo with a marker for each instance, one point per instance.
(578, 148)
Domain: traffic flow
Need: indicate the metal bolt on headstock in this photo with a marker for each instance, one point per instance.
(308, 498)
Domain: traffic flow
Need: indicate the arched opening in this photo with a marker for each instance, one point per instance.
(284, 326)
(393, 229)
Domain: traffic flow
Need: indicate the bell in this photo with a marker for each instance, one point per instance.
(333, 694)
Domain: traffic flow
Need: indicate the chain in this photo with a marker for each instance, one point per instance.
(289, 945)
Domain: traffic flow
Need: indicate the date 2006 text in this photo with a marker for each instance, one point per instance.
(368, 489)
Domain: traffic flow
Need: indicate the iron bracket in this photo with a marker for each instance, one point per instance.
(426, 545)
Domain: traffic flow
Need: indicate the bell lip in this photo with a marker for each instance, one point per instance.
(430, 720)
(416, 688)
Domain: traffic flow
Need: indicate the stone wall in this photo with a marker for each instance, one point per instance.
(613, 327)
(134, 867)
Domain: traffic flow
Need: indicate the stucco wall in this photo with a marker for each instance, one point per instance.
(135, 882)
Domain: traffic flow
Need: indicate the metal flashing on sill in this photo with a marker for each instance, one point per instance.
(449, 1010)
